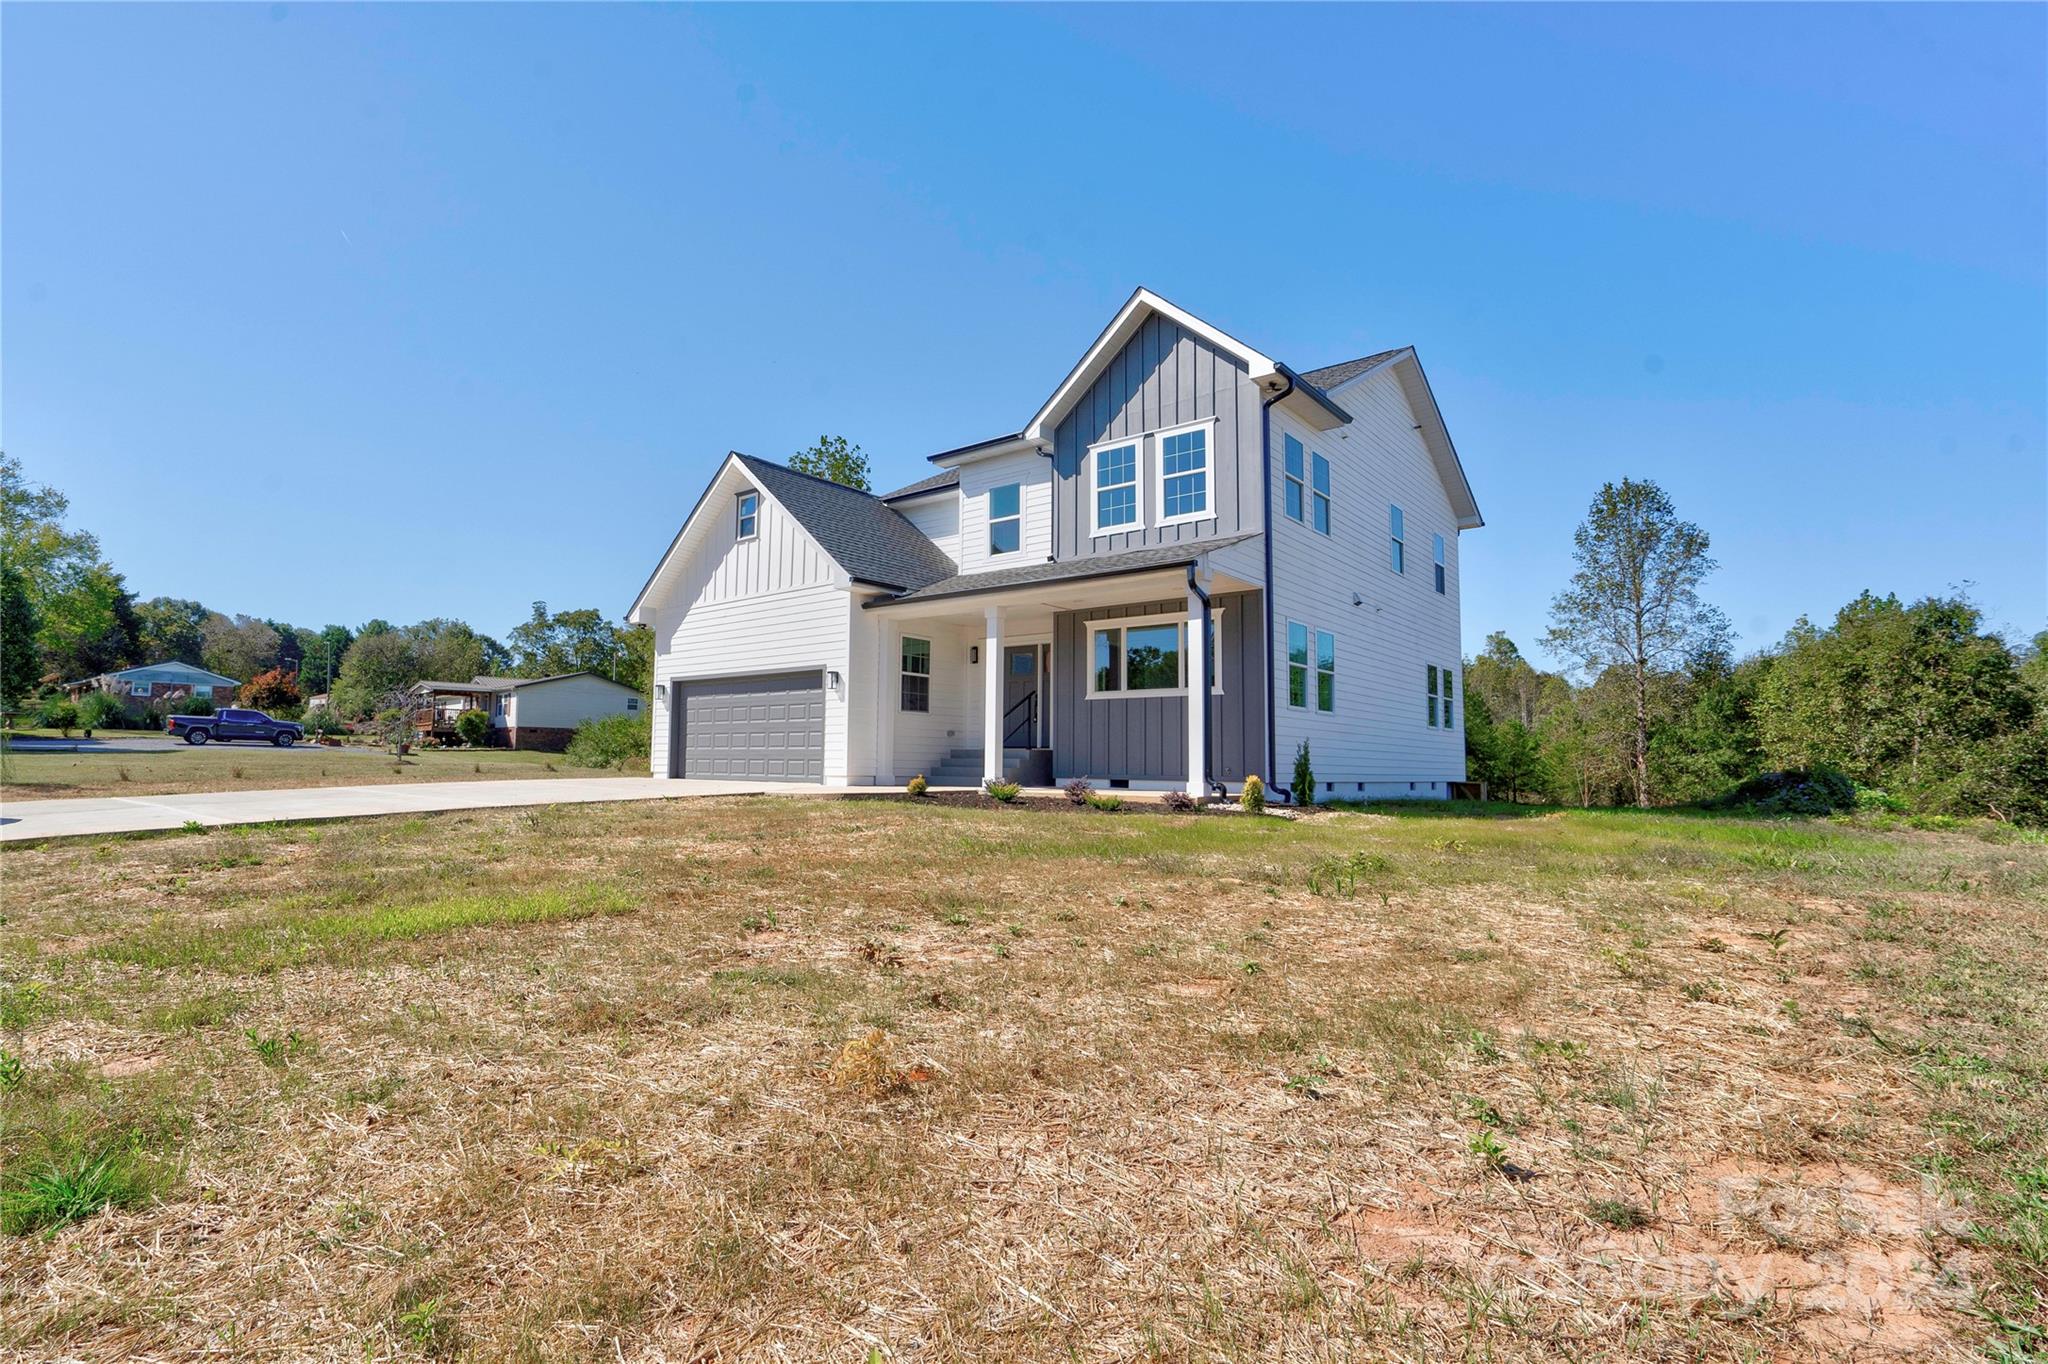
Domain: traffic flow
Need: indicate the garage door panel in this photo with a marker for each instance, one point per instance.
(755, 728)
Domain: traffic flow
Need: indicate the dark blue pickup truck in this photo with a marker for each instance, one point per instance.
(235, 724)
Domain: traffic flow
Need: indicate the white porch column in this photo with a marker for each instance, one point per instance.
(992, 695)
(888, 697)
(1198, 697)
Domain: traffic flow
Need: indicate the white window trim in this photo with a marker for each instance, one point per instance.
(1287, 478)
(903, 671)
(1137, 486)
(1440, 562)
(138, 688)
(739, 515)
(989, 500)
(1316, 671)
(1159, 437)
(1397, 560)
(1287, 624)
(1096, 627)
(1309, 504)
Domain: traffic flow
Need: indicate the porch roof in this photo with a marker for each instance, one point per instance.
(1064, 570)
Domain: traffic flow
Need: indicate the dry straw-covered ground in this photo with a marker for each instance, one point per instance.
(181, 769)
(867, 1080)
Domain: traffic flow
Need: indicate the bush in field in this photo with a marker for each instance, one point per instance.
(1004, 791)
(100, 710)
(275, 692)
(193, 705)
(1819, 791)
(916, 786)
(620, 741)
(325, 721)
(473, 727)
(1304, 776)
(1109, 802)
(1253, 799)
(1078, 790)
(60, 714)
(1182, 802)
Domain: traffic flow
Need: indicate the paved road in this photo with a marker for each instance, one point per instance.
(24, 819)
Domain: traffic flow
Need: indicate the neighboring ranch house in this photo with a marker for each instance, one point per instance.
(1027, 610)
(161, 685)
(526, 712)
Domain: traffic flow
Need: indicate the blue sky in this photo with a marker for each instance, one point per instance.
(331, 312)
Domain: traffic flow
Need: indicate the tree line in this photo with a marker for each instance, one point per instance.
(66, 614)
(1915, 706)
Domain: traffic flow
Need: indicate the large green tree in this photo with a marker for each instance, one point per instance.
(238, 646)
(1634, 603)
(833, 458)
(575, 641)
(173, 631)
(33, 537)
(89, 625)
(20, 662)
(374, 667)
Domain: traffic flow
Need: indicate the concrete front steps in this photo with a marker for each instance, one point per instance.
(962, 767)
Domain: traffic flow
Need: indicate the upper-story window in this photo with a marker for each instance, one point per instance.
(1399, 532)
(749, 515)
(1006, 518)
(1437, 549)
(1184, 474)
(1296, 480)
(1116, 487)
(1319, 493)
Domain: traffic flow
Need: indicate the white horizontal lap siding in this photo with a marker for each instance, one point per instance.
(1034, 473)
(939, 519)
(925, 738)
(567, 703)
(1380, 730)
(741, 608)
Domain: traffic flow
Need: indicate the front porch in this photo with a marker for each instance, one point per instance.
(1088, 678)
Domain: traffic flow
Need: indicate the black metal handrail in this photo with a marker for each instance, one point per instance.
(1028, 703)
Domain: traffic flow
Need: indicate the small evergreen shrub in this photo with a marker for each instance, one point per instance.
(620, 741)
(473, 727)
(916, 786)
(1304, 792)
(1800, 791)
(1004, 791)
(60, 714)
(1253, 799)
(1107, 801)
(1182, 802)
(1078, 790)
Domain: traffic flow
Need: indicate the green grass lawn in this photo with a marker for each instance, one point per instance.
(231, 767)
(872, 1079)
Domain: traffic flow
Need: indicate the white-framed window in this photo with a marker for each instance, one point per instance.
(138, 688)
(1296, 480)
(1319, 493)
(1311, 667)
(1146, 656)
(747, 516)
(1297, 665)
(203, 689)
(1326, 671)
(1398, 533)
(917, 674)
(1437, 552)
(1444, 675)
(1115, 466)
(1432, 694)
(1006, 518)
(1184, 473)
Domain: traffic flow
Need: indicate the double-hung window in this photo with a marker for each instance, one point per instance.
(1296, 480)
(1438, 550)
(1311, 663)
(1399, 534)
(917, 674)
(748, 523)
(1184, 474)
(1446, 679)
(1006, 519)
(1432, 695)
(1145, 657)
(1116, 487)
(1319, 493)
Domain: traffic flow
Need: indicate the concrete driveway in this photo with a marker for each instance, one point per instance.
(25, 819)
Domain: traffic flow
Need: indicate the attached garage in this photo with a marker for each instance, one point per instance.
(749, 728)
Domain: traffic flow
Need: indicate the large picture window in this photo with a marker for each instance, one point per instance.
(1184, 474)
(917, 674)
(1005, 519)
(1116, 488)
(1146, 657)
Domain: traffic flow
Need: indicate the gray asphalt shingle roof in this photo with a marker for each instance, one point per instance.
(945, 479)
(1099, 566)
(866, 536)
(1329, 376)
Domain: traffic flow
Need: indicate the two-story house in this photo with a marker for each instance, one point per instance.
(1185, 517)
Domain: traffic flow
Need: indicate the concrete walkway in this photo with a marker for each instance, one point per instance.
(25, 819)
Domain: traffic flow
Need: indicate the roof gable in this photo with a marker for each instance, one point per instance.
(1406, 370)
(173, 671)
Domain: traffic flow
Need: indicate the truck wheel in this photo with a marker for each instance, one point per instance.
(196, 737)
(285, 739)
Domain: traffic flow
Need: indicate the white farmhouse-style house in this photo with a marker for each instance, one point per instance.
(1185, 516)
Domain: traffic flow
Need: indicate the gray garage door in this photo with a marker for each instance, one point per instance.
(753, 728)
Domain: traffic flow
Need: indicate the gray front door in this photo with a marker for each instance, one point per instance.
(1023, 697)
(753, 728)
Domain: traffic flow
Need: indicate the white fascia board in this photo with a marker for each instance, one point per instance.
(686, 537)
(1142, 304)
(1436, 435)
(1021, 445)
